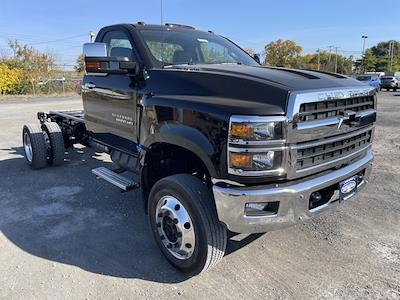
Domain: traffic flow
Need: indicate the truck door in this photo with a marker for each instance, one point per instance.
(109, 100)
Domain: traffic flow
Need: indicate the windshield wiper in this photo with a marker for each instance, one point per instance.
(178, 65)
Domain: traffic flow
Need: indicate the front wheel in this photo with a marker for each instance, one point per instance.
(185, 225)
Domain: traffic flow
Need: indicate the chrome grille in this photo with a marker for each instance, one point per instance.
(323, 151)
(332, 108)
(328, 128)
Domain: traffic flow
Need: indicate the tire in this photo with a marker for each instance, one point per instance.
(56, 151)
(34, 145)
(209, 235)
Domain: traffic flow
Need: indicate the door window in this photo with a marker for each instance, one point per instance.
(119, 44)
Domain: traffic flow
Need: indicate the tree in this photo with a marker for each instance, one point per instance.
(370, 61)
(33, 64)
(250, 51)
(80, 64)
(9, 78)
(310, 61)
(381, 52)
(282, 53)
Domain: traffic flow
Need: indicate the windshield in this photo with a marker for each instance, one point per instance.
(387, 78)
(364, 78)
(176, 47)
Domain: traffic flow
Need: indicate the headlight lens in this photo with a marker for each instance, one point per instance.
(253, 161)
(255, 131)
(256, 146)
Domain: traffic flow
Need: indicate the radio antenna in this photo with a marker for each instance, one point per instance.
(161, 13)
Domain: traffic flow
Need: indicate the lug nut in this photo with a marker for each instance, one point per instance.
(169, 246)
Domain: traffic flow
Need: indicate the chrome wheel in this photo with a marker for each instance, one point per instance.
(28, 147)
(175, 227)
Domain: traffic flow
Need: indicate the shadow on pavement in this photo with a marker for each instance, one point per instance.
(63, 214)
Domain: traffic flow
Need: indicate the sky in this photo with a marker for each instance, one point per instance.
(61, 27)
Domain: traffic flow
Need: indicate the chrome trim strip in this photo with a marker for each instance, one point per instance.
(255, 119)
(240, 172)
(256, 143)
(317, 123)
(255, 150)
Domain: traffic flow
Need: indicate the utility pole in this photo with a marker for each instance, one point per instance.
(319, 58)
(336, 58)
(63, 80)
(330, 52)
(364, 37)
(391, 54)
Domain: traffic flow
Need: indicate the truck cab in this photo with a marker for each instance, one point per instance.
(216, 142)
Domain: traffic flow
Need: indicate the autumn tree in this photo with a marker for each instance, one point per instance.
(80, 64)
(282, 53)
(33, 64)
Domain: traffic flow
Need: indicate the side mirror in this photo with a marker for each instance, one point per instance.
(97, 61)
(257, 58)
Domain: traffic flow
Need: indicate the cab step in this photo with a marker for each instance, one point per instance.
(116, 179)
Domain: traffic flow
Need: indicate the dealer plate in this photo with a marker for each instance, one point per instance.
(348, 187)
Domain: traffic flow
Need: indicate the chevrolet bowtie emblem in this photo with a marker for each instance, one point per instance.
(348, 116)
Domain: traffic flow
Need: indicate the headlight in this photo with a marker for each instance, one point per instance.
(255, 131)
(256, 146)
(252, 161)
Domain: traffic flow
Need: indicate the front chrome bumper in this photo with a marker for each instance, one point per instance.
(293, 199)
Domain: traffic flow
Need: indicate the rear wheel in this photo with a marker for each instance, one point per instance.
(55, 140)
(35, 149)
(185, 225)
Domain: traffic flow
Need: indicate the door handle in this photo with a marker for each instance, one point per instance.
(89, 86)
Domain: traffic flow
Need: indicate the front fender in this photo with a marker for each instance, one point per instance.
(202, 133)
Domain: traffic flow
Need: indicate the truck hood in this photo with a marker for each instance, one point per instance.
(291, 79)
(239, 89)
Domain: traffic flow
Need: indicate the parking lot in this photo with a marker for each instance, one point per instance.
(64, 234)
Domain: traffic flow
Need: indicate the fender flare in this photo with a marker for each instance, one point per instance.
(185, 137)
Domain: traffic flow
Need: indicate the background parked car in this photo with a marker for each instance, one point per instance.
(371, 80)
(390, 82)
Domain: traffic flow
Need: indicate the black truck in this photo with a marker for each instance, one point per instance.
(215, 142)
